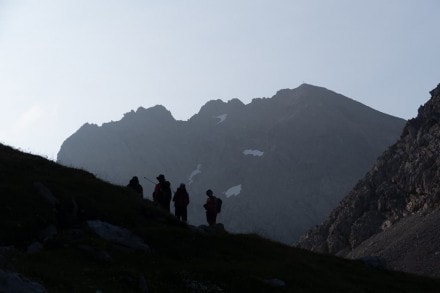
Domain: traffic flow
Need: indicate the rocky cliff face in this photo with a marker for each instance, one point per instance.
(280, 164)
(390, 211)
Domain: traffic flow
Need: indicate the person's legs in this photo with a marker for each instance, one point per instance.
(184, 215)
(211, 217)
(177, 213)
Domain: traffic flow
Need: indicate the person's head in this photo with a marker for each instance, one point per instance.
(182, 186)
(209, 192)
(134, 180)
(160, 178)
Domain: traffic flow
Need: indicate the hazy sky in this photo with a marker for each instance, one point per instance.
(64, 63)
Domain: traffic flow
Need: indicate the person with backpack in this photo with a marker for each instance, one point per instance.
(181, 201)
(162, 193)
(211, 207)
(134, 185)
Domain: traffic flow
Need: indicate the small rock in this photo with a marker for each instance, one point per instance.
(216, 228)
(35, 247)
(7, 254)
(46, 194)
(219, 227)
(143, 287)
(101, 256)
(276, 283)
(374, 262)
(15, 283)
(48, 233)
(118, 235)
(68, 214)
(73, 234)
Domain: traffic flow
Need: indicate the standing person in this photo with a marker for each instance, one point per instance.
(156, 192)
(181, 201)
(211, 208)
(162, 193)
(134, 184)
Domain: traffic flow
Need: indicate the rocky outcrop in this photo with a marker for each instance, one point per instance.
(118, 235)
(410, 245)
(11, 282)
(280, 164)
(46, 194)
(403, 185)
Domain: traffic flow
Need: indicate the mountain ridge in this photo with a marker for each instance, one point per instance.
(296, 177)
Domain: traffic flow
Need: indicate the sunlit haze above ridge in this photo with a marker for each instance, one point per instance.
(64, 63)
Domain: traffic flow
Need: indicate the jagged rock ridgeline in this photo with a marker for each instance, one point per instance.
(393, 211)
(280, 164)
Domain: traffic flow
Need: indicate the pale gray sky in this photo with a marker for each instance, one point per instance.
(64, 63)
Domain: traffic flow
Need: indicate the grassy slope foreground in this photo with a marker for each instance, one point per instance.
(180, 259)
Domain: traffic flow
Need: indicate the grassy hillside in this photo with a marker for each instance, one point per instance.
(181, 258)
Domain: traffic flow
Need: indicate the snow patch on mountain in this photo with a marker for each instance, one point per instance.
(194, 173)
(233, 191)
(255, 153)
(221, 117)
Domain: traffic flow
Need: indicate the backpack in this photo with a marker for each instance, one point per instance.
(219, 205)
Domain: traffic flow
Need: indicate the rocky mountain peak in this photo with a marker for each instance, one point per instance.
(309, 95)
(436, 91)
(156, 113)
(217, 107)
(310, 88)
(303, 88)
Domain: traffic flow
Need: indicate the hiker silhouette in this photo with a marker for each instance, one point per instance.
(211, 208)
(162, 193)
(134, 184)
(181, 201)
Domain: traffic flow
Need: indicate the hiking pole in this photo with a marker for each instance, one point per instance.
(154, 183)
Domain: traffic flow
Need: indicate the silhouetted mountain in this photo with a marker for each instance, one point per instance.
(64, 230)
(281, 164)
(393, 212)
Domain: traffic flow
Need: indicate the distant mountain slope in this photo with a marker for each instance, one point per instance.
(393, 212)
(63, 230)
(281, 164)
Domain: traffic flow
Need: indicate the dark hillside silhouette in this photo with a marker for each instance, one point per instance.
(64, 230)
